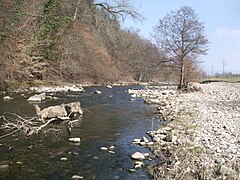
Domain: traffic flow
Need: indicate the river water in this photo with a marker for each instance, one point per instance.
(110, 119)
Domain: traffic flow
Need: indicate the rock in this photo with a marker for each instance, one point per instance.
(37, 97)
(7, 98)
(156, 138)
(136, 140)
(224, 170)
(63, 159)
(132, 170)
(145, 139)
(77, 177)
(75, 88)
(145, 154)
(104, 148)
(48, 97)
(138, 165)
(152, 101)
(166, 128)
(177, 163)
(133, 96)
(30, 147)
(112, 147)
(138, 156)
(219, 160)
(75, 140)
(97, 92)
(162, 136)
(174, 139)
(142, 144)
(4, 167)
(150, 144)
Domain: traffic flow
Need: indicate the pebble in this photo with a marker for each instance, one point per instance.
(104, 148)
(75, 140)
(77, 177)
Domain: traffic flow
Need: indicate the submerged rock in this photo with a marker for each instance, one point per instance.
(77, 177)
(7, 98)
(4, 167)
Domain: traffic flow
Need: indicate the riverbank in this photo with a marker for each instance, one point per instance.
(205, 134)
(202, 137)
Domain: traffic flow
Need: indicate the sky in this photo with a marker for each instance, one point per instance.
(222, 27)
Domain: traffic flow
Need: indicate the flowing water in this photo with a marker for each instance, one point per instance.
(110, 119)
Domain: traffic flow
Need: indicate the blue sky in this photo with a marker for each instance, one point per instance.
(222, 27)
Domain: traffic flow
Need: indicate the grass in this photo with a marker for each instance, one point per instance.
(222, 79)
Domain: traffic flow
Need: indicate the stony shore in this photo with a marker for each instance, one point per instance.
(202, 138)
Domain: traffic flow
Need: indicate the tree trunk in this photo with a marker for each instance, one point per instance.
(140, 77)
(182, 78)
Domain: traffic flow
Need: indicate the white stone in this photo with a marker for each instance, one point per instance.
(104, 148)
(142, 143)
(112, 147)
(64, 159)
(137, 140)
(77, 177)
(97, 92)
(7, 98)
(138, 165)
(145, 139)
(37, 97)
(111, 152)
(75, 140)
(150, 143)
(138, 156)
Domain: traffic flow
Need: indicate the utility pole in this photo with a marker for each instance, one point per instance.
(212, 71)
(223, 64)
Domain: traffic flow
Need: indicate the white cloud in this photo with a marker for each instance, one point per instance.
(228, 32)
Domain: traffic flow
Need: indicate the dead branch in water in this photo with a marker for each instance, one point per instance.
(27, 125)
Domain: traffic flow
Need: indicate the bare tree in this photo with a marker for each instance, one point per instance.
(181, 34)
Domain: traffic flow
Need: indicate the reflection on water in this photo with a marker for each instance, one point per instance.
(109, 119)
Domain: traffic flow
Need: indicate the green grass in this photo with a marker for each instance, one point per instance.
(221, 79)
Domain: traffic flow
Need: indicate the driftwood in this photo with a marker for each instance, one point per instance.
(13, 123)
(72, 110)
(50, 112)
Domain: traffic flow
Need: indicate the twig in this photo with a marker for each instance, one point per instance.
(87, 110)
(49, 121)
(5, 135)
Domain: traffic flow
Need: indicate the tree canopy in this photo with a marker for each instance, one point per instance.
(181, 36)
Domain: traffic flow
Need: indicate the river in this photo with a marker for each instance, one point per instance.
(110, 119)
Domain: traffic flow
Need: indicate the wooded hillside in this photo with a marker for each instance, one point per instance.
(80, 41)
(68, 40)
